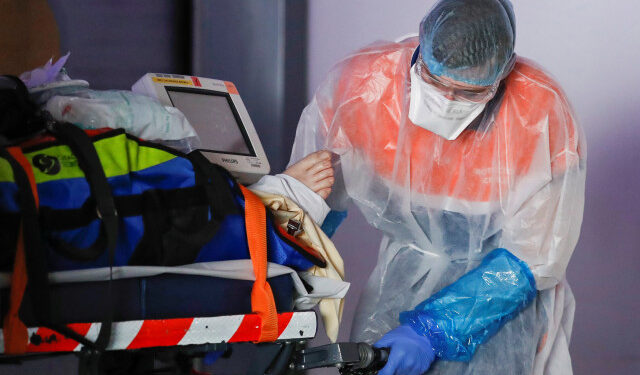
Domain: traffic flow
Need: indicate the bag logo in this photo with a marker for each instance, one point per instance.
(46, 164)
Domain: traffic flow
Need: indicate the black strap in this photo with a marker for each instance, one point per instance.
(36, 257)
(19, 115)
(221, 193)
(182, 217)
(88, 160)
(10, 223)
(126, 206)
(171, 238)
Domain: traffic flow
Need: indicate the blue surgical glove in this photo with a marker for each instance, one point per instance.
(410, 353)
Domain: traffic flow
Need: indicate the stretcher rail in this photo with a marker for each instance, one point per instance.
(139, 334)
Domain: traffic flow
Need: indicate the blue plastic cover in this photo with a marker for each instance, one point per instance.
(470, 311)
(332, 222)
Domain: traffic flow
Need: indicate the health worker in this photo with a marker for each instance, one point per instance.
(470, 161)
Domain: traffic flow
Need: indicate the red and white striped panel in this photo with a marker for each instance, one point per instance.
(174, 332)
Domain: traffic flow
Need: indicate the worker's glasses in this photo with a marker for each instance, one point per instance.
(479, 95)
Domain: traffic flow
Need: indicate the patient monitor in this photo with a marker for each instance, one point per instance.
(217, 114)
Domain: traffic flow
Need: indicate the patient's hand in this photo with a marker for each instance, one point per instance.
(315, 171)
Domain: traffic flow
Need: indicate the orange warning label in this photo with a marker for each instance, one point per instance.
(231, 87)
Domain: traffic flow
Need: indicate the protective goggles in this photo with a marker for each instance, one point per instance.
(479, 95)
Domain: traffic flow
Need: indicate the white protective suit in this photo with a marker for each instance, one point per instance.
(513, 179)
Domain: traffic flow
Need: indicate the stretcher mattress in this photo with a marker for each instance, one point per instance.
(162, 296)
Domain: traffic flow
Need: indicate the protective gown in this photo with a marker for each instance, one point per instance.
(513, 179)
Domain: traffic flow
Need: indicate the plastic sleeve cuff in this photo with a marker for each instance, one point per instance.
(468, 312)
(332, 221)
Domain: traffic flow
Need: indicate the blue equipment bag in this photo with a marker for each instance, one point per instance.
(71, 200)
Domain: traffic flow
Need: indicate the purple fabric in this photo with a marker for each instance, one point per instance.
(44, 74)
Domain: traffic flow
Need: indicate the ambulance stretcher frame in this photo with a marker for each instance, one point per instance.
(152, 325)
(140, 334)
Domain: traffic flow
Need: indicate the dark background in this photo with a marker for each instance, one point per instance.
(260, 46)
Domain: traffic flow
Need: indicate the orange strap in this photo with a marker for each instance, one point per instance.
(16, 336)
(262, 302)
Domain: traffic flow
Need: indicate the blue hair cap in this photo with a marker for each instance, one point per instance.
(471, 41)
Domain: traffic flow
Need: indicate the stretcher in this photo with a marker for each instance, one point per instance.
(159, 313)
(186, 311)
(141, 334)
(182, 312)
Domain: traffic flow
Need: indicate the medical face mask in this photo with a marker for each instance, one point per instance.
(431, 110)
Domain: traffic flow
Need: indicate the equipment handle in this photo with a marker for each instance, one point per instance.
(372, 360)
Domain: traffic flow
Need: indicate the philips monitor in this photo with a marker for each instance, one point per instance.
(218, 115)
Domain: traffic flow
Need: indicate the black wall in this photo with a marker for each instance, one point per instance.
(115, 42)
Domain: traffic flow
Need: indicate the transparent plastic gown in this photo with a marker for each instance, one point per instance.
(514, 179)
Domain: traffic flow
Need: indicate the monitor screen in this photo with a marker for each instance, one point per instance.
(214, 119)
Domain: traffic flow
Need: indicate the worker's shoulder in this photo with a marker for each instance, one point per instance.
(528, 76)
(537, 99)
(534, 92)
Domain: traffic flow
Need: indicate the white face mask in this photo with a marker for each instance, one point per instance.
(431, 110)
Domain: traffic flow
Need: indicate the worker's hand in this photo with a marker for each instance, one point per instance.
(410, 353)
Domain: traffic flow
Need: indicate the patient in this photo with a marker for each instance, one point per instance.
(307, 182)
